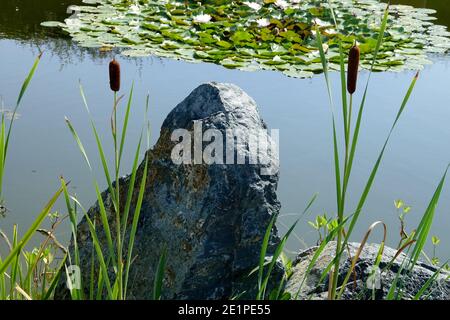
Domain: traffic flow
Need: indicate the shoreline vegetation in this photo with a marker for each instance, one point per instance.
(34, 275)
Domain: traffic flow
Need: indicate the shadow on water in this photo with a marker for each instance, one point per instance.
(20, 19)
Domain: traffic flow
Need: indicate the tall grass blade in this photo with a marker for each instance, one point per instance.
(374, 171)
(275, 256)
(428, 283)
(78, 141)
(159, 275)
(132, 181)
(31, 231)
(424, 227)
(100, 150)
(76, 294)
(137, 213)
(262, 254)
(19, 99)
(99, 252)
(55, 280)
(125, 124)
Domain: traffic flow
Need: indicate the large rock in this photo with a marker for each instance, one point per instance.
(410, 283)
(212, 218)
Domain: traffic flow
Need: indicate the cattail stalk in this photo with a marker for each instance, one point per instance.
(114, 75)
(352, 69)
(114, 83)
(352, 79)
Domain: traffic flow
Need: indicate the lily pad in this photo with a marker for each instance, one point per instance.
(258, 34)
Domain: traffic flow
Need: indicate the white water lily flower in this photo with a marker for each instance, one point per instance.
(202, 18)
(135, 9)
(282, 4)
(277, 59)
(263, 22)
(253, 5)
(73, 23)
(321, 23)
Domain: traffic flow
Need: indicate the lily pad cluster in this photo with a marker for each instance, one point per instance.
(258, 34)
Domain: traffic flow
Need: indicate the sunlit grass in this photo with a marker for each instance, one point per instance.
(26, 274)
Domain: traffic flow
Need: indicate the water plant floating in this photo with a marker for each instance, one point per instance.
(258, 34)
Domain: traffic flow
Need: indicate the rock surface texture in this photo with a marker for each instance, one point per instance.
(212, 218)
(410, 284)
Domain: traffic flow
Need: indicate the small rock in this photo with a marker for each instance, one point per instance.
(357, 288)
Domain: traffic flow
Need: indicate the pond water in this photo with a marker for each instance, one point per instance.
(43, 148)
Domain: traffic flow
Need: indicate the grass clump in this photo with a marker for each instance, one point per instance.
(28, 274)
(341, 228)
(35, 274)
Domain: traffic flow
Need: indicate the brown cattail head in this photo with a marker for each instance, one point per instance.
(352, 69)
(114, 75)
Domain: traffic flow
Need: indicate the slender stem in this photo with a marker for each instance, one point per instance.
(349, 123)
(117, 213)
(341, 207)
(347, 166)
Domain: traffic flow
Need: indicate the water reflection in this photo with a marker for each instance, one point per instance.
(20, 19)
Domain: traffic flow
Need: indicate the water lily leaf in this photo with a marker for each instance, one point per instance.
(291, 36)
(224, 44)
(241, 36)
(136, 53)
(53, 24)
(295, 73)
(232, 64)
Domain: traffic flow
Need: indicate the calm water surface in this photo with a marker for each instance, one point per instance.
(42, 147)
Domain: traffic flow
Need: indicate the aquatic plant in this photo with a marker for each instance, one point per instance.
(110, 281)
(347, 218)
(261, 34)
(402, 211)
(34, 274)
(28, 274)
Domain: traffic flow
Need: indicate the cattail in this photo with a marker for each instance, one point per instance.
(352, 69)
(114, 75)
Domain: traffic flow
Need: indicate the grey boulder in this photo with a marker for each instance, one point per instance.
(360, 285)
(211, 217)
